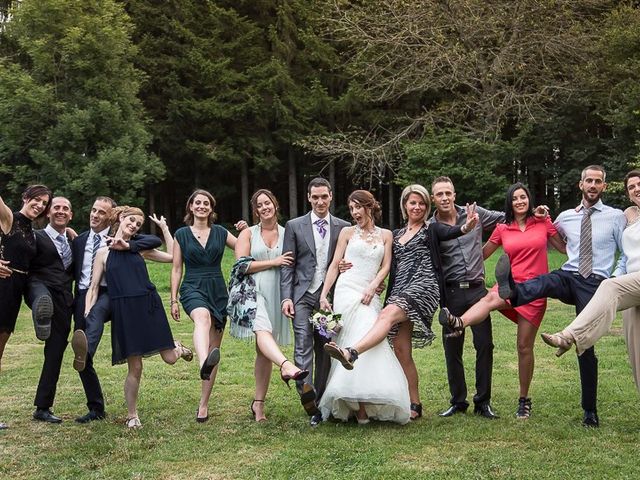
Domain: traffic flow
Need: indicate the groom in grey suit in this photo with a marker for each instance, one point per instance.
(312, 239)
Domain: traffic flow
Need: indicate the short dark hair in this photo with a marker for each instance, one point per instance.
(318, 182)
(441, 179)
(631, 174)
(107, 200)
(509, 216)
(597, 168)
(33, 191)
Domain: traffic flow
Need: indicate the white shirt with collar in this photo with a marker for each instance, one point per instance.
(84, 282)
(322, 252)
(54, 234)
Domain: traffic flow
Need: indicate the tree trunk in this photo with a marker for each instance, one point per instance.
(293, 186)
(332, 181)
(244, 182)
(390, 204)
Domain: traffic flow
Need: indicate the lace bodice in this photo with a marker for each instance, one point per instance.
(365, 251)
(19, 245)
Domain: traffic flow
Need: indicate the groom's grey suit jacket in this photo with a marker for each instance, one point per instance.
(298, 238)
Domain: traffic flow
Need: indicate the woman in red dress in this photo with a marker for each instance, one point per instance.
(524, 239)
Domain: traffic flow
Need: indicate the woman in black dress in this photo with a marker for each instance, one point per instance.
(414, 288)
(17, 248)
(139, 326)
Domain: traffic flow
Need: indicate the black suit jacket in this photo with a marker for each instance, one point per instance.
(47, 267)
(137, 243)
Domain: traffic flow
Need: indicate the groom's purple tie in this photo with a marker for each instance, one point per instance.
(321, 225)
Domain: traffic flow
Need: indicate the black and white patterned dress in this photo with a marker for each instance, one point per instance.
(415, 282)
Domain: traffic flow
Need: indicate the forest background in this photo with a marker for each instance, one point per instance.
(145, 100)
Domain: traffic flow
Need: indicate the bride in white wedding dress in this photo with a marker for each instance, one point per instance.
(377, 387)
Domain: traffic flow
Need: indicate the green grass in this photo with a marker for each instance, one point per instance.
(551, 444)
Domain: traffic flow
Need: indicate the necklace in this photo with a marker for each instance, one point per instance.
(198, 233)
(367, 235)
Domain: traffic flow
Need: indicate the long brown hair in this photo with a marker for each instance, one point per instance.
(188, 214)
(254, 202)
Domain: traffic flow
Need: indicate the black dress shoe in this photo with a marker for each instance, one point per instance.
(209, 364)
(485, 411)
(46, 415)
(90, 416)
(42, 312)
(315, 420)
(506, 285)
(452, 410)
(590, 419)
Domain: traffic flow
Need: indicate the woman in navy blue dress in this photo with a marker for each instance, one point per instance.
(139, 326)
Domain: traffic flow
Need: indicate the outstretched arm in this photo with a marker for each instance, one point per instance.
(98, 271)
(158, 255)
(6, 217)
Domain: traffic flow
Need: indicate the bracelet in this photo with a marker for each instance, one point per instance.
(172, 302)
(463, 229)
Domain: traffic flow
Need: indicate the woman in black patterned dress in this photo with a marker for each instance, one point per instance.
(17, 248)
(414, 288)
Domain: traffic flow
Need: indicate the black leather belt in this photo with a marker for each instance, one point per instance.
(475, 283)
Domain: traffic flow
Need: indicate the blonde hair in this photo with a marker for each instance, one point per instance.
(124, 210)
(418, 190)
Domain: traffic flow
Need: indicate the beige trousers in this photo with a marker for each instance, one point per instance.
(613, 295)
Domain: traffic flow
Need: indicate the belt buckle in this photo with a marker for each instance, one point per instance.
(464, 284)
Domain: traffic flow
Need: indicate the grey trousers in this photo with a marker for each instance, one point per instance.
(308, 349)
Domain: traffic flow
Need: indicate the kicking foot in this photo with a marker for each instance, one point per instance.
(562, 343)
(42, 313)
(346, 356)
(506, 285)
(80, 346)
(450, 322)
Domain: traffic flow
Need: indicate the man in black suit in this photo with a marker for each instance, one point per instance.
(50, 277)
(88, 330)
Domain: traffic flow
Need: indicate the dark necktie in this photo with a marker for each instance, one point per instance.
(585, 255)
(321, 226)
(65, 250)
(96, 245)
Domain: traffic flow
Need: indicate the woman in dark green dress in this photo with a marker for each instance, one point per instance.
(203, 294)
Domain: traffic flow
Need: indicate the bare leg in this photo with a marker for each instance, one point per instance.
(526, 339)
(389, 316)
(132, 385)
(171, 355)
(201, 337)
(402, 349)
(262, 373)
(4, 338)
(481, 309)
(267, 346)
(215, 339)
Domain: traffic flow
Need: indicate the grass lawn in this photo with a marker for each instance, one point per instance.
(551, 444)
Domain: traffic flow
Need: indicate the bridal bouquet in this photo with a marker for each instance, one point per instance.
(327, 324)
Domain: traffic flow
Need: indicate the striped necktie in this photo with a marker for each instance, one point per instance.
(65, 250)
(96, 245)
(585, 255)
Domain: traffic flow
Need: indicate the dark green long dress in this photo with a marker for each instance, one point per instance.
(203, 284)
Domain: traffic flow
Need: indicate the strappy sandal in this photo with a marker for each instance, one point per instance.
(308, 399)
(340, 354)
(185, 353)
(299, 375)
(452, 322)
(253, 412)
(133, 423)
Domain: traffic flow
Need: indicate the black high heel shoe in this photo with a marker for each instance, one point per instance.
(299, 375)
(454, 323)
(253, 412)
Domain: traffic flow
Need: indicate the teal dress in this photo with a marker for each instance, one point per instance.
(203, 284)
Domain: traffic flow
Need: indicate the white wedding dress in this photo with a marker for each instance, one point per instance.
(377, 379)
